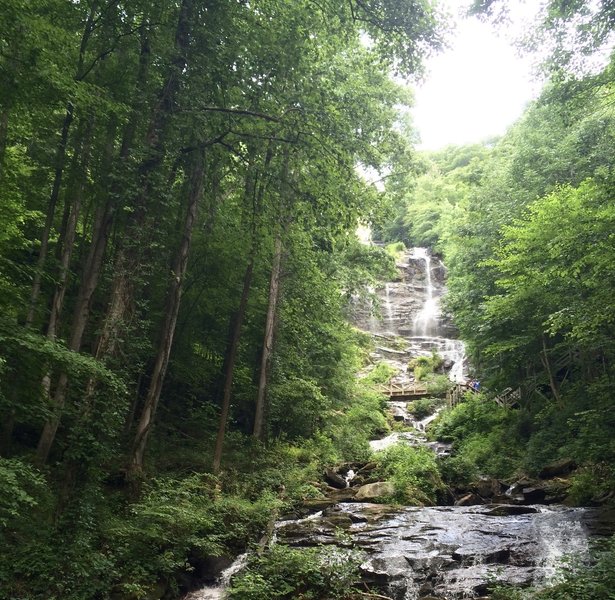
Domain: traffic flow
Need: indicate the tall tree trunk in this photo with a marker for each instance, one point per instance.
(101, 230)
(51, 425)
(49, 217)
(231, 359)
(69, 234)
(255, 194)
(274, 287)
(4, 134)
(547, 365)
(127, 260)
(180, 263)
(60, 164)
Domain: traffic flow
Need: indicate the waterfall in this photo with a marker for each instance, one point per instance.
(410, 311)
(388, 306)
(427, 332)
(218, 591)
(426, 321)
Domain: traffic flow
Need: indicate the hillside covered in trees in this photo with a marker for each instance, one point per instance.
(180, 185)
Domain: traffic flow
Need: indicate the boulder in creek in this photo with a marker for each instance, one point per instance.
(346, 495)
(469, 500)
(335, 480)
(317, 503)
(488, 488)
(558, 467)
(339, 520)
(507, 510)
(371, 491)
(533, 495)
(398, 414)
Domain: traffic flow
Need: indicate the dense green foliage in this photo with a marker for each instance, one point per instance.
(525, 226)
(179, 187)
(414, 473)
(485, 437)
(286, 573)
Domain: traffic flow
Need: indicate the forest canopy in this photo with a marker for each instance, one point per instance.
(180, 185)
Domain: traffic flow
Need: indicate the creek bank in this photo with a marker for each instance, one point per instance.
(365, 485)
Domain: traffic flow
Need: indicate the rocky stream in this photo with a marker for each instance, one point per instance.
(512, 533)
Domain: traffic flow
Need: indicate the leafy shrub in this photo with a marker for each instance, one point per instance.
(423, 407)
(20, 486)
(363, 420)
(437, 384)
(296, 407)
(458, 470)
(591, 483)
(483, 434)
(285, 573)
(177, 519)
(414, 473)
(379, 375)
(396, 249)
(422, 366)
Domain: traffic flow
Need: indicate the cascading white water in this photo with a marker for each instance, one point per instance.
(218, 591)
(388, 305)
(427, 333)
(410, 309)
(426, 321)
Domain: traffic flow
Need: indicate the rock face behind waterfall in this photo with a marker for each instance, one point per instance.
(406, 319)
(399, 302)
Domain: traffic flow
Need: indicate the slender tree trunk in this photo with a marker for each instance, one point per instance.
(60, 164)
(547, 365)
(126, 267)
(51, 207)
(70, 232)
(231, 359)
(6, 435)
(51, 426)
(4, 134)
(127, 260)
(256, 194)
(101, 230)
(274, 287)
(150, 405)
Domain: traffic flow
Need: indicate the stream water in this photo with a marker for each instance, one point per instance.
(445, 552)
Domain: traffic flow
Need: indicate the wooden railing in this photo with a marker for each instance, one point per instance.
(455, 394)
(401, 390)
(509, 398)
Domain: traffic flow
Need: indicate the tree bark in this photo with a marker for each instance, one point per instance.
(60, 164)
(231, 359)
(127, 260)
(274, 286)
(547, 365)
(4, 134)
(150, 405)
(51, 207)
(255, 194)
(101, 230)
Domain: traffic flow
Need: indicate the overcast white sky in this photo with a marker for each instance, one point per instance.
(479, 86)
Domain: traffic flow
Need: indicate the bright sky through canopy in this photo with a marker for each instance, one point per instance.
(479, 86)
